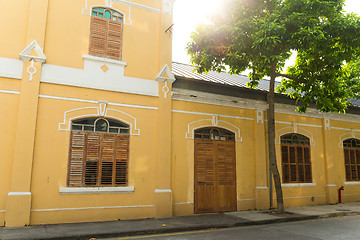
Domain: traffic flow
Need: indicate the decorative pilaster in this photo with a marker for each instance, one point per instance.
(163, 192)
(261, 161)
(18, 202)
(331, 189)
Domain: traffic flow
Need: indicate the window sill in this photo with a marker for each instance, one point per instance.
(104, 60)
(352, 183)
(95, 190)
(297, 185)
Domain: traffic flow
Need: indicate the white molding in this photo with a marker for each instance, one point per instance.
(351, 133)
(327, 124)
(236, 102)
(19, 194)
(105, 60)
(250, 199)
(162, 78)
(8, 91)
(298, 185)
(96, 112)
(167, 6)
(109, 3)
(355, 183)
(211, 114)
(294, 129)
(11, 68)
(217, 99)
(138, 5)
(331, 185)
(163, 191)
(95, 190)
(96, 102)
(298, 124)
(183, 203)
(90, 208)
(259, 116)
(1, 211)
(261, 187)
(24, 55)
(92, 76)
(209, 123)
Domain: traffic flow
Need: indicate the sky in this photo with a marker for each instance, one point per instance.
(189, 13)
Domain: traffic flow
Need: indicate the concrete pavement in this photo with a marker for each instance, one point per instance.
(175, 224)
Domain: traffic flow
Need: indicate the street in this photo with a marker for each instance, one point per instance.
(338, 228)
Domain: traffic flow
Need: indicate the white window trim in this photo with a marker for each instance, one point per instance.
(297, 185)
(106, 60)
(352, 183)
(95, 190)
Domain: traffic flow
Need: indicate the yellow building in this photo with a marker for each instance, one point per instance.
(96, 128)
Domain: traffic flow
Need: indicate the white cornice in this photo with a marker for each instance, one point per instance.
(244, 103)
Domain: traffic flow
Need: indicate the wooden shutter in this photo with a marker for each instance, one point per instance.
(92, 157)
(205, 195)
(114, 40)
(107, 159)
(226, 176)
(121, 160)
(98, 159)
(98, 36)
(75, 168)
(106, 38)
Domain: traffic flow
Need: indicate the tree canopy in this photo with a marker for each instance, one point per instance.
(261, 34)
(252, 34)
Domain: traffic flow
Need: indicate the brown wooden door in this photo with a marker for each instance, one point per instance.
(215, 176)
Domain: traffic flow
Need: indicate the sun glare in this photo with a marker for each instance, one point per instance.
(187, 15)
(190, 13)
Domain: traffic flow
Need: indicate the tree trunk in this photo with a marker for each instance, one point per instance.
(271, 141)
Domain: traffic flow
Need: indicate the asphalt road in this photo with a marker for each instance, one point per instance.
(322, 229)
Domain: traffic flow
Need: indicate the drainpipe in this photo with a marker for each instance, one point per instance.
(339, 193)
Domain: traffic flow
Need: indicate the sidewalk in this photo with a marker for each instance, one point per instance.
(175, 224)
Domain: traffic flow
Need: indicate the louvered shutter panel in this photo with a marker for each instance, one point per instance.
(98, 36)
(114, 40)
(107, 158)
(76, 160)
(93, 142)
(122, 156)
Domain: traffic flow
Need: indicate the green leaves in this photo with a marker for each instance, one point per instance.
(253, 34)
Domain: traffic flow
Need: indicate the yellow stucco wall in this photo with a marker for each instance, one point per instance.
(187, 113)
(7, 129)
(38, 111)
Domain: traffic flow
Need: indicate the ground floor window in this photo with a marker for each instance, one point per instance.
(99, 153)
(296, 164)
(352, 159)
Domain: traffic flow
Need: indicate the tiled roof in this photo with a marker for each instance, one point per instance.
(187, 71)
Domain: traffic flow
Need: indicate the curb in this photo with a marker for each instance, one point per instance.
(195, 228)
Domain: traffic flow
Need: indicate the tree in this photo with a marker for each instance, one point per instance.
(260, 34)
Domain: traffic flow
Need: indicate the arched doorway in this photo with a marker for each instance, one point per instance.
(214, 170)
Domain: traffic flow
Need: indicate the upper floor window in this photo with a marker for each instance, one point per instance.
(296, 164)
(106, 33)
(99, 153)
(352, 159)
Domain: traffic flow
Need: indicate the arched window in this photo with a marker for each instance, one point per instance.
(352, 159)
(99, 153)
(296, 164)
(214, 133)
(106, 33)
